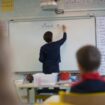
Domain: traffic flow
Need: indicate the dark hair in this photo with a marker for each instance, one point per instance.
(48, 36)
(89, 58)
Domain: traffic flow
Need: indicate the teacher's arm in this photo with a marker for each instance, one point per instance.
(61, 41)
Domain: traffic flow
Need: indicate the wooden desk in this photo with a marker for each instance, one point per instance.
(32, 85)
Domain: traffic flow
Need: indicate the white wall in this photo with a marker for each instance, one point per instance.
(31, 9)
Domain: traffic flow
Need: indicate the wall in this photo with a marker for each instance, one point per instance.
(31, 9)
(24, 9)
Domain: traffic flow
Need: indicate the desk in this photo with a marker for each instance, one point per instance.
(29, 86)
(32, 85)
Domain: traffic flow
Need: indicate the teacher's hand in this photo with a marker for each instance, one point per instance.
(64, 28)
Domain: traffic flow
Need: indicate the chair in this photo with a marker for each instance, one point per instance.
(83, 99)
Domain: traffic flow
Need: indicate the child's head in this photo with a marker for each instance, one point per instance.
(88, 58)
(48, 36)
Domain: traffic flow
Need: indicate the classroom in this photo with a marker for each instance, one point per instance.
(53, 52)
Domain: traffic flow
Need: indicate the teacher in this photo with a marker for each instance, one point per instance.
(50, 52)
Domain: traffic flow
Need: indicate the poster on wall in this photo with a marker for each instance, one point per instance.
(7, 5)
(100, 24)
(75, 5)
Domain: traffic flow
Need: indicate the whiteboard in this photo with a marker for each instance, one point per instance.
(26, 38)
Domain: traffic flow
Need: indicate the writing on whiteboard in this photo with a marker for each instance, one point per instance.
(48, 25)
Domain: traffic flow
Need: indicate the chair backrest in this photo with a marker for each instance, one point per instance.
(83, 99)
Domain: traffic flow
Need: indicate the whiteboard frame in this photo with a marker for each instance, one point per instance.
(51, 18)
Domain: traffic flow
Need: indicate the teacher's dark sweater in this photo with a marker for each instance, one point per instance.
(50, 55)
